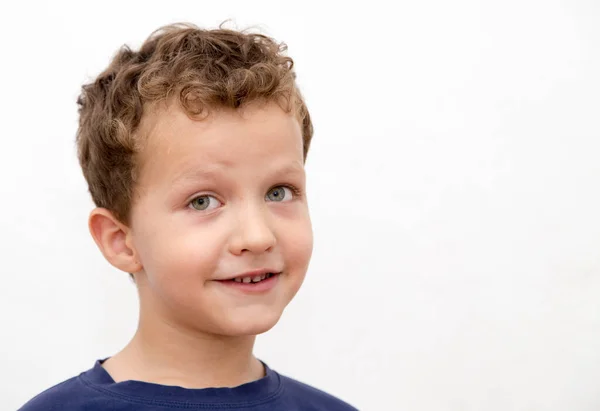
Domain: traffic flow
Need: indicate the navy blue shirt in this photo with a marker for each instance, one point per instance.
(95, 390)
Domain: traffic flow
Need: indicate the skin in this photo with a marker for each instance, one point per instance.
(215, 198)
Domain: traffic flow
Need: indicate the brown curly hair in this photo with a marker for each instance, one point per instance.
(201, 70)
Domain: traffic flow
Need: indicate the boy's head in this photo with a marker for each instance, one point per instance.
(193, 149)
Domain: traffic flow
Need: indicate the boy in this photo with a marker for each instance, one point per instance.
(193, 148)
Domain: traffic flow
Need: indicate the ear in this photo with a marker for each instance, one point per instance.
(113, 238)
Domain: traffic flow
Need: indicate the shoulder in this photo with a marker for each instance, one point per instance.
(312, 398)
(51, 399)
(70, 395)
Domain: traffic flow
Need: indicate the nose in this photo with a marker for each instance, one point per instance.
(252, 233)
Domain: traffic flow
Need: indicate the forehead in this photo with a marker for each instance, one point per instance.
(255, 136)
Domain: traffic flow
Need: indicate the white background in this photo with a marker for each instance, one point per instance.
(454, 182)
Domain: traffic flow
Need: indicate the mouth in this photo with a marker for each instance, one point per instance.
(253, 279)
(255, 282)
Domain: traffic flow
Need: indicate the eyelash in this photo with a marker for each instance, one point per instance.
(295, 191)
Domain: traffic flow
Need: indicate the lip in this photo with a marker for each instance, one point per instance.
(251, 274)
(252, 288)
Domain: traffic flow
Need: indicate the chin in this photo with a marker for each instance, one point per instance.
(250, 324)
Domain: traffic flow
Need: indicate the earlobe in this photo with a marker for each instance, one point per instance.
(112, 238)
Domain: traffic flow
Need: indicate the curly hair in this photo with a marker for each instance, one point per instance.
(201, 70)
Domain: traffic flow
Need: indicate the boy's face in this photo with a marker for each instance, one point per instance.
(218, 198)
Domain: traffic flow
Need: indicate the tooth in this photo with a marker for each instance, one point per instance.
(246, 279)
(262, 277)
(237, 280)
(256, 278)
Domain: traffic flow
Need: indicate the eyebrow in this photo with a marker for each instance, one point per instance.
(289, 168)
(197, 173)
(212, 172)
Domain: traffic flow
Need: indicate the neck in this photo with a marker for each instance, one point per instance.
(168, 354)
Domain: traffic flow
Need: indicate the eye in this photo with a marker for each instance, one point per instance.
(204, 202)
(280, 194)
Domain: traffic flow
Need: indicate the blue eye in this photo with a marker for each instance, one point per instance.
(280, 194)
(204, 202)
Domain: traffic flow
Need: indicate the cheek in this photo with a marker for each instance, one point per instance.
(178, 252)
(299, 245)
